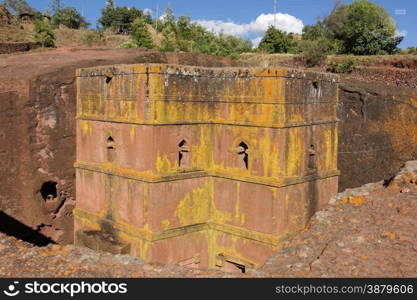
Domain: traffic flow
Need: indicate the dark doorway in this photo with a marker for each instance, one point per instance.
(48, 190)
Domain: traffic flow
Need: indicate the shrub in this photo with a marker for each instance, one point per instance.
(346, 66)
(315, 52)
(127, 45)
(409, 50)
(92, 37)
(44, 34)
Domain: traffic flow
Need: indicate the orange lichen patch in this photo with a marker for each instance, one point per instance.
(403, 239)
(357, 200)
(308, 225)
(354, 200)
(413, 102)
(403, 212)
(390, 234)
(394, 188)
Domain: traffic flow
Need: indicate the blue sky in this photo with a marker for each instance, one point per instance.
(249, 19)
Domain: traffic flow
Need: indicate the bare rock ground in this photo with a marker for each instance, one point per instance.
(369, 231)
(20, 259)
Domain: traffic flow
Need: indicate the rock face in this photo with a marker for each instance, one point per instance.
(377, 132)
(206, 167)
(37, 132)
(368, 231)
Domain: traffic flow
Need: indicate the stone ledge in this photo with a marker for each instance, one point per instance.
(157, 123)
(108, 169)
(92, 219)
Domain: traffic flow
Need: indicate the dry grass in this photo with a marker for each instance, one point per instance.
(156, 36)
(408, 61)
(64, 37)
(86, 37)
(16, 34)
(267, 60)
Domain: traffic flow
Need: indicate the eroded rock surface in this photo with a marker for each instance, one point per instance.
(364, 232)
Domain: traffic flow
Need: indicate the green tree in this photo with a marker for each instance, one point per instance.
(110, 3)
(147, 17)
(169, 41)
(140, 34)
(44, 34)
(119, 19)
(319, 32)
(184, 28)
(314, 52)
(275, 41)
(360, 28)
(183, 35)
(169, 17)
(70, 18)
(314, 32)
(364, 28)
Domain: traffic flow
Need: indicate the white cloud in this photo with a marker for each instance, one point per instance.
(285, 22)
(256, 41)
(162, 17)
(148, 11)
(224, 27)
(403, 33)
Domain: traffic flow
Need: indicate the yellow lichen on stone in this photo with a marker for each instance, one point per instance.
(295, 150)
(85, 127)
(132, 132)
(165, 224)
(196, 206)
(163, 165)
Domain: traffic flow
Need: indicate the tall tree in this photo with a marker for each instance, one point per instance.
(119, 19)
(169, 41)
(275, 41)
(364, 28)
(140, 34)
(44, 34)
(360, 28)
(168, 16)
(70, 18)
(110, 4)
